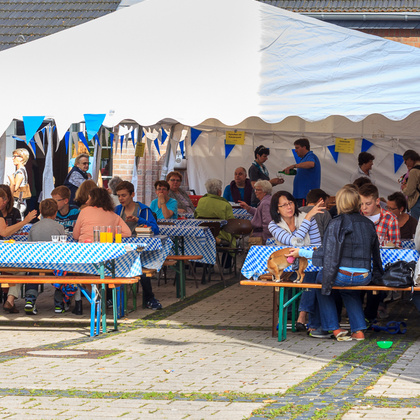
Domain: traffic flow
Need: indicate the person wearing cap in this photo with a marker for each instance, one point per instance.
(257, 171)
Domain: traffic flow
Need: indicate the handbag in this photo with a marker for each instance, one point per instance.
(26, 192)
(399, 274)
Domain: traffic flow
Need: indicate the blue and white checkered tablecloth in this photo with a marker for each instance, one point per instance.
(238, 213)
(197, 241)
(156, 248)
(256, 260)
(80, 258)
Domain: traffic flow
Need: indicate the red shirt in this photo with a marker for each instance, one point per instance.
(387, 228)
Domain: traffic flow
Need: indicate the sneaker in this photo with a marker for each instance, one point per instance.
(59, 309)
(153, 304)
(109, 303)
(341, 335)
(30, 307)
(320, 333)
(358, 335)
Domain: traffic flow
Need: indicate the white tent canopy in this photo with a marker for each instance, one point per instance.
(219, 63)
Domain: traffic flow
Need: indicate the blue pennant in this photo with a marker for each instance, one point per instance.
(334, 154)
(132, 138)
(83, 140)
(366, 145)
(398, 161)
(32, 125)
(33, 145)
(111, 140)
(164, 136)
(96, 137)
(181, 147)
(93, 123)
(228, 149)
(121, 141)
(297, 158)
(194, 136)
(66, 140)
(18, 138)
(157, 145)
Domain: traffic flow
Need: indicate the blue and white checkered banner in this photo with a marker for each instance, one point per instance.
(256, 260)
(75, 257)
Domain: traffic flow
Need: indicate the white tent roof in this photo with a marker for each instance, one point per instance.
(220, 61)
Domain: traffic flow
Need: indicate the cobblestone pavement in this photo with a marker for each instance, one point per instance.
(209, 357)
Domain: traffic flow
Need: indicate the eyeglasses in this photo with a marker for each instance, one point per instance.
(16, 156)
(161, 189)
(60, 199)
(257, 189)
(288, 204)
(174, 180)
(391, 208)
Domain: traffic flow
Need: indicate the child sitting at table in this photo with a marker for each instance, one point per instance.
(42, 232)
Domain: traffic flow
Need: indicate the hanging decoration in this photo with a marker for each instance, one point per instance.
(334, 154)
(366, 145)
(31, 125)
(156, 141)
(228, 149)
(66, 140)
(398, 161)
(194, 135)
(181, 147)
(164, 136)
(93, 123)
(121, 142)
(133, 136)
(111, 140)
(83, 140)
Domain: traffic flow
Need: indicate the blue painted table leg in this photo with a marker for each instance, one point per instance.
(281, 329)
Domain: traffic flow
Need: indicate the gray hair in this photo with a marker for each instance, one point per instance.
(113, 183)
(213, 186)
(265, 186)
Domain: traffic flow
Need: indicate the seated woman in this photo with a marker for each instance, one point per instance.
(290, 226)
(185, 205)
(99, 211)
(349, 247)
(82, 193)
(164, 207)
(261, 213)
(397, 204)
(10, 223)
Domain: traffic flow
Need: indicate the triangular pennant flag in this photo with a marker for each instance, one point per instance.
(164, 136)
(96, 137)
(83, 140)
(398, 161)
(66, 140)
(297, 158)
(156, 141)
(133, 136)
(33, 145)
(149, 144)
(93, 123)
(32, 125)
(181, 147)
(121, 142)
(228, 149)
(194, 135)
(366, 145)
(111, 141)
(334, 154)
(18, 138)
(37, 139)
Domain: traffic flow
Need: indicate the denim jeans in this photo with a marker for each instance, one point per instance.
(351, 299)
(308, 302)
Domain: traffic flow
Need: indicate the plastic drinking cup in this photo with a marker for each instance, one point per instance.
(63, 238)
(55, 238)
(96, 233)
(118, 236)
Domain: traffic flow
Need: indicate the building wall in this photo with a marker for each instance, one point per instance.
(405, 36)
(148, 169)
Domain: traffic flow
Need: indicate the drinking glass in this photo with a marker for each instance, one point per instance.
(118, 236)
(110, 234)
(96, 233)
(55, 238)
(63, 238)
(102, 234)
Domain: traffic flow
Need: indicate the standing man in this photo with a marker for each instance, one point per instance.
(240, 189)
(365, 161)
(308, 176)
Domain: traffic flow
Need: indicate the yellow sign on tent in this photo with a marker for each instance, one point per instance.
(344, 145)
(235, 137)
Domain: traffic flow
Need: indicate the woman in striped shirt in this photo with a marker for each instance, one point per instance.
(290, 226)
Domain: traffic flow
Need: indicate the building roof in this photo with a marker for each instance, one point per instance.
(26, 20)
(347, 6)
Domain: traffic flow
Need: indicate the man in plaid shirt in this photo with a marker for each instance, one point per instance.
(386, 223)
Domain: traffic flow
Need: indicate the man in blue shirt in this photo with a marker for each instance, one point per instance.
(308, 169)
(240, 189)
(67, 213)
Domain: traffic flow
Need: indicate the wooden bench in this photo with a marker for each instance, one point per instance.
(98, 306)
(280, 304)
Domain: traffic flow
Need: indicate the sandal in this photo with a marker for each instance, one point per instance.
(300, 327)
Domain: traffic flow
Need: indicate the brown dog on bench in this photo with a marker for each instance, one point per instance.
(277, 262)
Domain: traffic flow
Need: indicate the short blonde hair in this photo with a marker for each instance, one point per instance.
(23, 153)
(347, 201)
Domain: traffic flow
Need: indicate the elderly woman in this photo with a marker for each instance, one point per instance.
(185, 205)
(164, 206)
(350, 246)
(261, 213)
(213, 206)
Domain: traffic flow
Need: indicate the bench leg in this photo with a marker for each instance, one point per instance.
(114, 312)
(282, 319)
